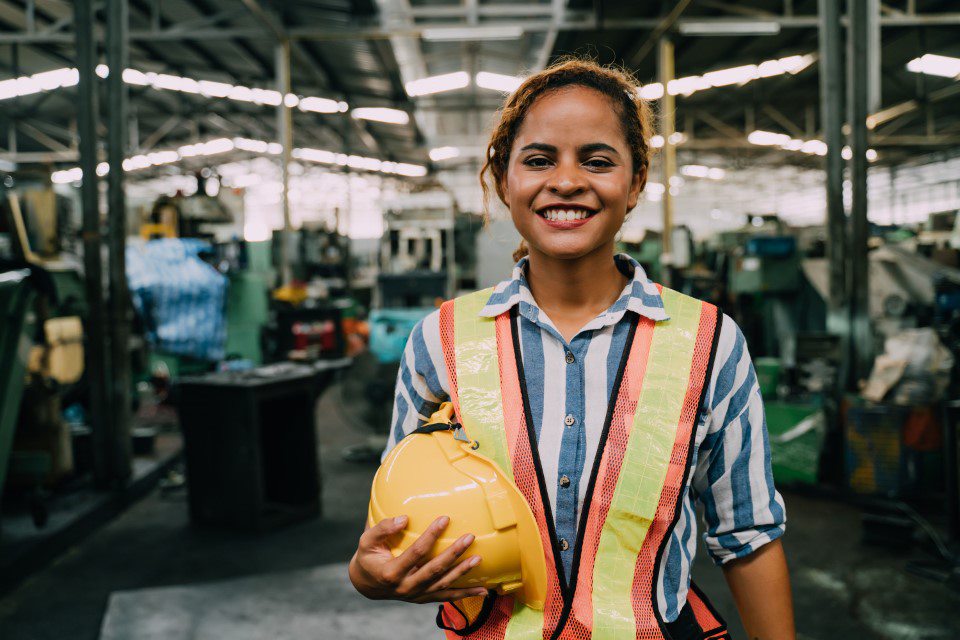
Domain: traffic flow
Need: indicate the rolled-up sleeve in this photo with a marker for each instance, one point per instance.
(421, 381)
(742, 509)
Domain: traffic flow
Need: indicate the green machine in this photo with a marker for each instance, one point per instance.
(769, 264)
(16, 297)
(248, 303)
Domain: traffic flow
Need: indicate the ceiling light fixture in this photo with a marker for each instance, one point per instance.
(381, 114)
(321, 105)
(497, 81)
(935, 65)
(222, 145)
(730, 28)
(481, 32)
(38, 82)
(444, 153)
(437, 84)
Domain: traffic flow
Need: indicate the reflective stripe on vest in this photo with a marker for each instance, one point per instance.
(633, 498)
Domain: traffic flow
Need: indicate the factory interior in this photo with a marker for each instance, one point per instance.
(221, 220)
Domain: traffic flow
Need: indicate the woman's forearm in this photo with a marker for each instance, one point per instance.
(761, 588)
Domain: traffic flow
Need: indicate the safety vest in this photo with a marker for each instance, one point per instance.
(633, 499)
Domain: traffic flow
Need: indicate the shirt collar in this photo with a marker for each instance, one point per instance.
(640, 295)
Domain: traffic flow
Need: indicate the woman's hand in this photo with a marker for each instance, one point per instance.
(378, 575)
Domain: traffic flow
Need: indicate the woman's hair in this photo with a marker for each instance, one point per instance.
(617, 84)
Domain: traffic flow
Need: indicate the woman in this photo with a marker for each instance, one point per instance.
(637, 401)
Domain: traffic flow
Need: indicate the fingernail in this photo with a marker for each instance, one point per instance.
(474, 561)
(468, 540)
(400, 520)
(443, 521)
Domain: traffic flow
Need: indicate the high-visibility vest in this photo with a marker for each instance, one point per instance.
(633, 499)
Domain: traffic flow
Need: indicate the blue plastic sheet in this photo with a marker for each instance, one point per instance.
(180, 298)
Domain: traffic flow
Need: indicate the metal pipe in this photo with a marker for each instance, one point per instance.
(285, 131)
(668, 152)
(96, 352)
(120, 380)
(858, 109)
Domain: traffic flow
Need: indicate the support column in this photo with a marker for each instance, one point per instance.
(117, 125)
(858, 83)
(285, 134)
(668, 153)
(831, 116)
(96, 351)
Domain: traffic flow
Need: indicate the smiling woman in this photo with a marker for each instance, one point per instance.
(613, 404)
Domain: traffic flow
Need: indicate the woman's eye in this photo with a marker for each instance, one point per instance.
(536, 161)
(598, 163)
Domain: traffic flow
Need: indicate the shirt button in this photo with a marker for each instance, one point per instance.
(564, 481)
(564, 545)
(570, 359)
(569, 420)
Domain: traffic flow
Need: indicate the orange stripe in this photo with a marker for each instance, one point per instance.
(645, 571)
(609, 472)
(447, 338)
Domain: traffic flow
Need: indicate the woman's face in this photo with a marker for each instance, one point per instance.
(570, 182)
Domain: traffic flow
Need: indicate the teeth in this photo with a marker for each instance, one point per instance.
(565, 215)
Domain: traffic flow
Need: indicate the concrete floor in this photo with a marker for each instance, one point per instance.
(150, 575)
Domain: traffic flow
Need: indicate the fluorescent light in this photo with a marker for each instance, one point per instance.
(846, 153)
(437, 84)
(38, 82)
(795, 64)
(934, 65)
(319, 105)
(701, 171)
(652, 91)
(381, 114)
(687, 86)
(444, 153)
(817, 147)
(768, 138)
(497, 81)
(215, 89)
(496, 32)
(103, 70)
(291, 100)
(132, 76)
(871, 155)
(222, 145)
(734, 75)
(730, 28)
(656, 141)
(67, 176)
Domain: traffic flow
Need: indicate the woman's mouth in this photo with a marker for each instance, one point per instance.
(565, 218)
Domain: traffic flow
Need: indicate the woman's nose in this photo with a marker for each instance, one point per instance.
(566, 180)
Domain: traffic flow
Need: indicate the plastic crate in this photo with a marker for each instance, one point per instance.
(874, 452)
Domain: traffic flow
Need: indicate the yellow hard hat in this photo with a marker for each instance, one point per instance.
(437, 472)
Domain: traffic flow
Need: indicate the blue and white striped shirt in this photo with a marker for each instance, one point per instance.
(730, 469)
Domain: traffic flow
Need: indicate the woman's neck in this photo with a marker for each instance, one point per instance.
(585, 286)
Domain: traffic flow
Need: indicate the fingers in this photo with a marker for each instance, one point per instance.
(421, 547)
(450, 595)
(438, 568)
(452, 575)
(379, 532)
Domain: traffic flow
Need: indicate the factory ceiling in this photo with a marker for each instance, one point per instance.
(196, 65)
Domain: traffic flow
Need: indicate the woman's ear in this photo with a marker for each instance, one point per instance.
(637, 183)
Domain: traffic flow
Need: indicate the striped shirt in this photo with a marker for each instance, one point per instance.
(730, 467)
